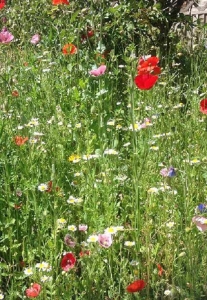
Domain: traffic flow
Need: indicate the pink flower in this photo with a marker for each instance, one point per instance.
(105, 240)
(82, 227)
(97, 72)
(69, 241)
(200, 222)
(33, 291)
(5, 36)
(35, 39)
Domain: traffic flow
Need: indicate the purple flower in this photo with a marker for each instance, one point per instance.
(201, 208)
(105, 240)
(5, 36)
(171, 172)
(35, 39)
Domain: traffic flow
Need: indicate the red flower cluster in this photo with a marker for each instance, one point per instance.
(147, 73)
(136, 286)
(33, 291)
(2, 3)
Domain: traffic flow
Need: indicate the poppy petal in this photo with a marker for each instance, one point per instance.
(136, 286)
(203, 106)
(145, 81)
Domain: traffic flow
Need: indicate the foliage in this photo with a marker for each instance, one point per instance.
(83, 153)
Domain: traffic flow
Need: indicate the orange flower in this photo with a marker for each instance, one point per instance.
(19, 140)
(15, 94)
(149, 66)
(160, 269)
(69, 49)
(58, 2)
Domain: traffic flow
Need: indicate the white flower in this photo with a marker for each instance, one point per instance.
(170, 224)
(72, 228)
(44, 266)
(45, 278)
(129, 244)
(28, 271)
(153, 190)
(110, 152)
(92, 238)
(43, 187)
(110, 230)
(167, 292)
(1, 295)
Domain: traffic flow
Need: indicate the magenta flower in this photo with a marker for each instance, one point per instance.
(35, 39)
(105, 240)
(97, 72)
(5, 36)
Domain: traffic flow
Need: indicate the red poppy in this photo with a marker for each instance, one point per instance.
(15, 93)
(149, 66)
(17, 206)
(49, 186)
(136, 286)
(89, 34)
(203, 106)
(19, 140)
(33, 291)
(2, 3)
(68, 261)
(69, 49)
(84, 253)
(145, 81)
(58, 2)
(160, 269)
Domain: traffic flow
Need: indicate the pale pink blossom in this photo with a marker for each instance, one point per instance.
(35, 39)
(97, 72)
(105, 240)
(82, 227)
(200, 222)
(5, 36)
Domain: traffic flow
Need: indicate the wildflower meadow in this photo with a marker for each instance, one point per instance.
(103, 156)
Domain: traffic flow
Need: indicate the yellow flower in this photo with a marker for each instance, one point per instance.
(74, 158)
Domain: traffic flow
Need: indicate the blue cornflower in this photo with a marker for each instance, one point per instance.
(201, 208)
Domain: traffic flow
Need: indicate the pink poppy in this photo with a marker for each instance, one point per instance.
(97, 72)
(82, 227)
(145, 81)
(200, 222)
(35, 39)
(33, 291)
(5, 36)
(68, 261)
(105, 240)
